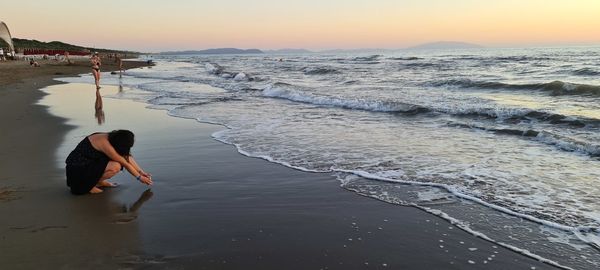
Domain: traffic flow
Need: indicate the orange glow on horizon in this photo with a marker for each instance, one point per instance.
(267, 24)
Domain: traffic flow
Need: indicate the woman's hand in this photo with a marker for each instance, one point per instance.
(146, 180)
(143, 173)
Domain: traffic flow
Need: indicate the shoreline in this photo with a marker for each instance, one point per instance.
(31, 204)
(421, 234)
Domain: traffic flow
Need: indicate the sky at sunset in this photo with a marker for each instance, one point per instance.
(153, 25)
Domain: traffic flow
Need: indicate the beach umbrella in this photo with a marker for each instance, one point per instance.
(5, 35)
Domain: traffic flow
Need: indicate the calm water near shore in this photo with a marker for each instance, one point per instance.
(504, 143)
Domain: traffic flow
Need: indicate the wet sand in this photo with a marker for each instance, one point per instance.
(42, 226)
(210, 207)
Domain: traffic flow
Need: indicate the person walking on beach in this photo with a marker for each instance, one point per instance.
(66, 54)
(96, 63)
(99, 157)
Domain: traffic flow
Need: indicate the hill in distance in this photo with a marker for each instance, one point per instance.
(445, 45)
(288, 51)
(58, 45)
(359, 50)
(216, 51)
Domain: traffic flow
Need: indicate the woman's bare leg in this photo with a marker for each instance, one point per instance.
(97, 78)
(112, 168)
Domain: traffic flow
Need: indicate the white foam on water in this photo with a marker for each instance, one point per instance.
(240, 77)
(467, 228)
(482, 178)
(360, 104)
(431, 195)
(575, 230)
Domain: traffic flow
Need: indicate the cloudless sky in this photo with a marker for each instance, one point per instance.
(153, 25)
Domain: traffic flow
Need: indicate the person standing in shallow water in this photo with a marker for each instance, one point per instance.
(99, 157)
(119, 62)
(96, 63)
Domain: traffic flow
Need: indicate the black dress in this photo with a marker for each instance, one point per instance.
(85, 166)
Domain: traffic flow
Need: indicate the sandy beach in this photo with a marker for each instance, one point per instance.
(210, 207)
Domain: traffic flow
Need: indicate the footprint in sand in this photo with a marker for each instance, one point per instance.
(8, 194)
(45, 228)
(125, 220)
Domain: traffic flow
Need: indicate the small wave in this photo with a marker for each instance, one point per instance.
(319, 70)
(369, 58)
(520, 114)
(561, 142)
(213, 68)
(556, 88)
(496, 112)
(412, 58)
(351, 82)
(285, 91)
(521, 58)
(422, 65)
(174, 100)
(505, 131)
(569, 144)
(464, 57)
(586, 72)
(554, 118)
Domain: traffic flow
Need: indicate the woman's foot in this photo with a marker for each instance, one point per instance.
(95, 190)
(105, 183)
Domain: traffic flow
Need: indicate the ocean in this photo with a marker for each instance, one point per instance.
(502, 143)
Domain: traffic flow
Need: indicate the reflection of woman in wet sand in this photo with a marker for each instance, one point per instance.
(100, 156)
(96, 63)
(129, 214)
(98, 108)
(146, 195)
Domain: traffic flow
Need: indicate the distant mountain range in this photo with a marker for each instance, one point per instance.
(288, 51)
(216, 51)
(362, 50)
(445, 45)
(427, 46)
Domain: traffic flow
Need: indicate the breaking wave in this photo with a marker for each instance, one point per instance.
(285, 91)
(556, 88)
(369, 58)
(561, 142)
(499, 113)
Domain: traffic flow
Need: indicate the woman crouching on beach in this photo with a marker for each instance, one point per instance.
(100, 156)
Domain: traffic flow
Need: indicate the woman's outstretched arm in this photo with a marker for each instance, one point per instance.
(138, 168)
(107, 149)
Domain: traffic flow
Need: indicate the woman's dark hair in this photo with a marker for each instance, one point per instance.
(122, 141)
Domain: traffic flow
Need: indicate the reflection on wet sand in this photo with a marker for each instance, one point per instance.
(120, 83)
(129, 214)
(98, 106)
